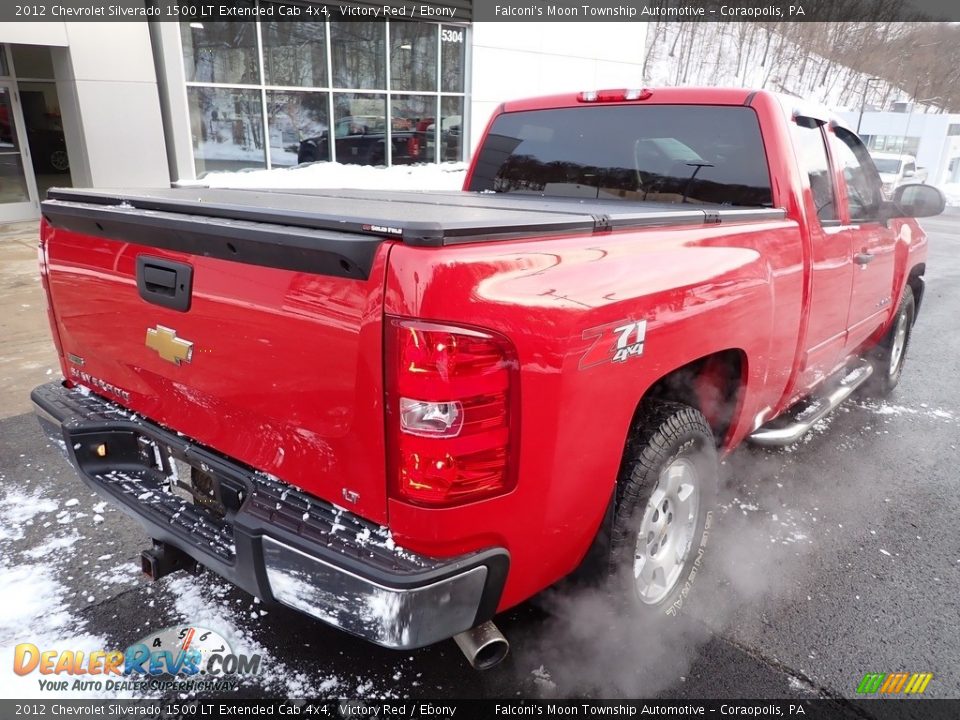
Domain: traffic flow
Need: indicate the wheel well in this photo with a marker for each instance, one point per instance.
(917, 285)
(710, 384)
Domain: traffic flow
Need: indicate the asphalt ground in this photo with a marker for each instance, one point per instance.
(827, 560)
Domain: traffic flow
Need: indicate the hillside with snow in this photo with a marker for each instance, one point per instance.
(753, 55)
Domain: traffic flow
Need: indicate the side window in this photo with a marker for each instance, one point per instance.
(909, 168)
(860, 175)
(812, 156)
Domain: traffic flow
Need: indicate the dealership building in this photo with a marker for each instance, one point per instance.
(932, 138)
(144, 104)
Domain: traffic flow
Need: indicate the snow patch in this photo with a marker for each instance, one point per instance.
(126, 574)
(18, 509)
(885, 409)
(206, 605)
(46, 621)
(53, 546)
(446, 176)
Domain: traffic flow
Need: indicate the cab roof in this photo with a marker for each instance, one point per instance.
(792, 105)
(658, 96)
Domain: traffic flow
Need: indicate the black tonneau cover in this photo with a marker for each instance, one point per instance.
(337, 231)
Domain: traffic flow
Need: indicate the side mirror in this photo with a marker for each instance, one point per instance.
(909, 173)
(916, 200)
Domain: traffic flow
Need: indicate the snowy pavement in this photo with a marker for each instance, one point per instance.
(829, 559)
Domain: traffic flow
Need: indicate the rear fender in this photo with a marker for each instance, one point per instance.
(566, 302)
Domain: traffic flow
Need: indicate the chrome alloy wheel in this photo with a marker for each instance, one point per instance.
(667, 531)
(899, 340)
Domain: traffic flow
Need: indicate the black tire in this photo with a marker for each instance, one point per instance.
(886, 360)
(670, 435)
(59, 161)
(307, 153)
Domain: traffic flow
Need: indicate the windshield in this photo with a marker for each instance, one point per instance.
(656, 153)
(887, 165)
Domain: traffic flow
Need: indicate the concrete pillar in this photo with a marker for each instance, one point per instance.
(107, 85)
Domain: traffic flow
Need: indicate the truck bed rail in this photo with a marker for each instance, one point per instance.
(416, 218)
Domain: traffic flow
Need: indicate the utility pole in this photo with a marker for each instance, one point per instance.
(863, 100)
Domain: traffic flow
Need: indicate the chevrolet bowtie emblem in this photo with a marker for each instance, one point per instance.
(168, 345)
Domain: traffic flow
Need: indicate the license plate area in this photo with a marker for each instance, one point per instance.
(200, 485)
(197, 485)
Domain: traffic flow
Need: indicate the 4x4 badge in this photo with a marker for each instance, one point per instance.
(168, 345)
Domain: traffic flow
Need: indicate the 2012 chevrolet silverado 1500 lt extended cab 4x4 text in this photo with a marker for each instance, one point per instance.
(404, 412)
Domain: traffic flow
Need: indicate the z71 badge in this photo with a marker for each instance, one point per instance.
(614, 342)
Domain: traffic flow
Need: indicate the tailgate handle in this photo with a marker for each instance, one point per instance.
(164, 282)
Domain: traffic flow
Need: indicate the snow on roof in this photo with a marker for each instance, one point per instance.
(446, 176)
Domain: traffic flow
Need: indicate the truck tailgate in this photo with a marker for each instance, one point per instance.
(275, 362)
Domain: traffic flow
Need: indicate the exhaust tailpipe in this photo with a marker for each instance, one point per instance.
(484, 645)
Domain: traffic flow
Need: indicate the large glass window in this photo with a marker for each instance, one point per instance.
(360, 131)
(812, 155)
(358, 50)
(297, 118)
(48, 147)
(414, 128)
(227, 128)
(413, 56)
(220, 52)
(13, 182)
(295, 54)
(665, 153)
(354, 92)
(893, 143)
(451, 129)
(453, 47)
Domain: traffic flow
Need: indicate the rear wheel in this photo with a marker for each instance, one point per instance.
(663, 513)
(888, 357)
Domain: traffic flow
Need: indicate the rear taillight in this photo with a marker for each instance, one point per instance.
(451, 412)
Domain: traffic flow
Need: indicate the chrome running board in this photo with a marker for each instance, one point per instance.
(795, 422)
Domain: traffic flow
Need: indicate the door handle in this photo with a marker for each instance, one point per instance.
(863, 258)
(164, 282)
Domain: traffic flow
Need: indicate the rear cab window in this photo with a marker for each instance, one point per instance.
(701, 154)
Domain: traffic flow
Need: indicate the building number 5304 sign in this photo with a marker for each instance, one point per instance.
(454, 36)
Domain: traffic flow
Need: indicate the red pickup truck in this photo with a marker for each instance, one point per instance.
(404, 412)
